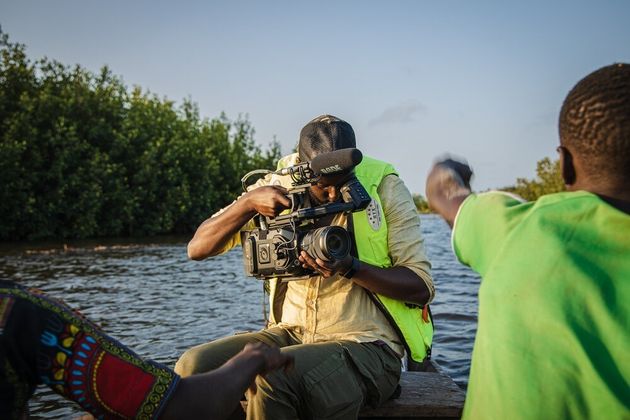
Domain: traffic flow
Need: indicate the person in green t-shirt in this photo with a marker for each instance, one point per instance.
(553, 339)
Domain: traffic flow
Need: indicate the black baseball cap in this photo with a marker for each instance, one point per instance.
(324, 134)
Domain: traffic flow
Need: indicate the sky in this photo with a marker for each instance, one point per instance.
(480, 80)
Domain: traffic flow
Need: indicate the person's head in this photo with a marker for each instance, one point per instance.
(594, 130)
(325, 134)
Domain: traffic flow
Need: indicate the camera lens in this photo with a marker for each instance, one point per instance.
(329, 243)
(334, 244)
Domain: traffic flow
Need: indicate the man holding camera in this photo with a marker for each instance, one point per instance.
(349, 324)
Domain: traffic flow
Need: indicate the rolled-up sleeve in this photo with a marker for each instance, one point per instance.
(406, 245)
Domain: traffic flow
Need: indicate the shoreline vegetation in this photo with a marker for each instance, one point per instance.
(84, 156)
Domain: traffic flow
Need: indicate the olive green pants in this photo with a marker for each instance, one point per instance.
(330, 380)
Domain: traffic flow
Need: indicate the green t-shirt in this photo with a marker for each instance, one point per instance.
(553, 339)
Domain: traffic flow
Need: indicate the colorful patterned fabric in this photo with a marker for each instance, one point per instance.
(43, 341)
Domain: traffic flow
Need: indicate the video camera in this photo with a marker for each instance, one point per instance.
(273, 248)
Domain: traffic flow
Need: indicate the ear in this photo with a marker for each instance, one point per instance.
(567, 166)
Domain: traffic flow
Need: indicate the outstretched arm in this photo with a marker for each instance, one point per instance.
(448, 185)
(212, 235)
(216, 394)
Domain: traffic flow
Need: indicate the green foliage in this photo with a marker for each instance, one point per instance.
(548, 181)
(81, 155)
(421, 204)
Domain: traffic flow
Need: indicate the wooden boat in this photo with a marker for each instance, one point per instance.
(431, 394)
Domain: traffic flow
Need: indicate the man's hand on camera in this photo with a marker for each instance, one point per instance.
(268, 200)
(325, 268)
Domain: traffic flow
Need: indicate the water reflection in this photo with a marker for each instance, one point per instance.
(150, 297)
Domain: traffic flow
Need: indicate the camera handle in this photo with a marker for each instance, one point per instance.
(353, 192)
(355, 198)
(310, 213)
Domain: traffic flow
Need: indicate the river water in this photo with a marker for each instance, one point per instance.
(151, 298)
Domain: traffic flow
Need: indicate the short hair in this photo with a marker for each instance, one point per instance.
(324, 134)
(595, 122)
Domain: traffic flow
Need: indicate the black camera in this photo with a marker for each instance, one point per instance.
(273, 247)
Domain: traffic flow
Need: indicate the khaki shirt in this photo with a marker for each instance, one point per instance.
(325, 309)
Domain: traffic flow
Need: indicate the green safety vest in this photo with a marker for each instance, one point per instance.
(406, 318)
(370, 232)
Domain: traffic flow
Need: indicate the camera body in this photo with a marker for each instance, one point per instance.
(273, 247)
(274, 252)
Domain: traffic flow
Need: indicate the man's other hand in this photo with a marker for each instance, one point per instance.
(269, 200)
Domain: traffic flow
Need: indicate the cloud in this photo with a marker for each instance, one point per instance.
(400, 114)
